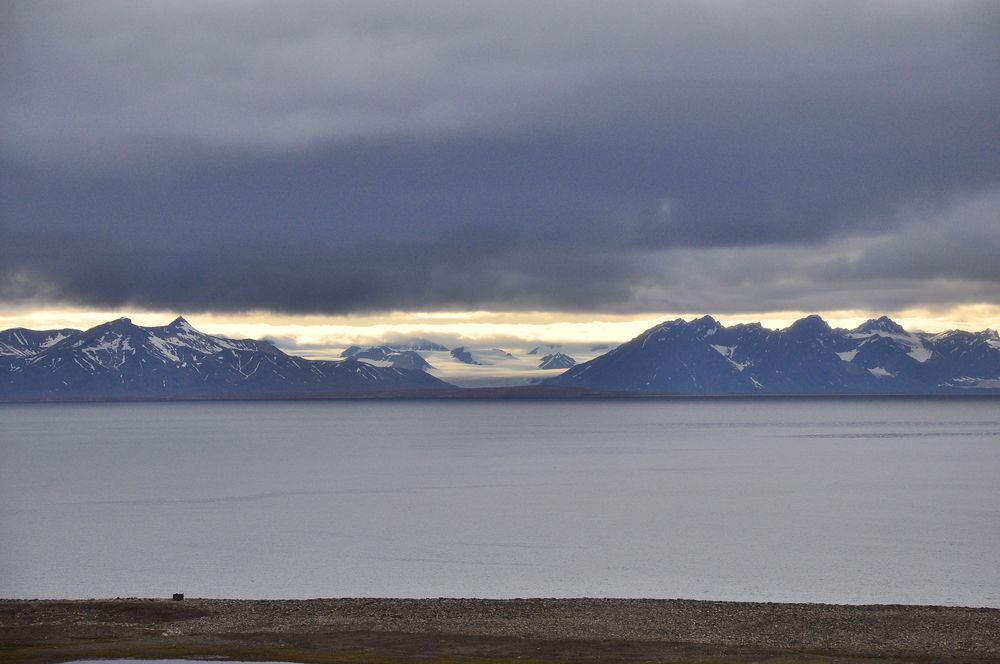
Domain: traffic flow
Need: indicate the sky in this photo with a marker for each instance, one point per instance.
(329, 172)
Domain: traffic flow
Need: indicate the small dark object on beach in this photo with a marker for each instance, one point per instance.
(178, 597)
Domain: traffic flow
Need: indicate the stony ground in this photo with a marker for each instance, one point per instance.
(456, 630)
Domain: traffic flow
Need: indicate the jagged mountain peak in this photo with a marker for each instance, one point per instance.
(665, 325)
(811, 322)
(118, 327)
(703, 326)
(812, 329)
(953, 334)
(880, 324)
(556, 361)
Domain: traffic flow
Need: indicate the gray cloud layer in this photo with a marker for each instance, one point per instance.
(625, 156)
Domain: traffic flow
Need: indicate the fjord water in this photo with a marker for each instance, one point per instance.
(825, 500)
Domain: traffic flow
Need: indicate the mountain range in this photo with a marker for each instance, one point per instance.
(702, 356)
(120, 359)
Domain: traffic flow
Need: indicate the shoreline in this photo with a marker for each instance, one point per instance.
(477, 630)
(509, 394)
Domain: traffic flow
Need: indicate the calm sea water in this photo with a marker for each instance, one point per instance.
(848, 501)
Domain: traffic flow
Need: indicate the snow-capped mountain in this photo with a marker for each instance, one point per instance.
(121, 359)
(486, 356)
(556, 361)
(809, 357)
(399, 346)
(385, 356)
(416, 344)
(463, 356)
(21, 342)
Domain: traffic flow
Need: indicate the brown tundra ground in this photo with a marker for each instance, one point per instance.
(476, 630)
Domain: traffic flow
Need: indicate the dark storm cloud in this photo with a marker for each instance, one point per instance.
(300, 157)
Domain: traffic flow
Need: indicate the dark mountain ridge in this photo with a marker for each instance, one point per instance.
(119, 359)
(702, 356)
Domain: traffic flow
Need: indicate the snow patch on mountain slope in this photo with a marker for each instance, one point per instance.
(53, 340)
(375, 363)
(727, 352)
(977, 383)
(918, 350)
(110, 351)
(10, 351)
(165, 349)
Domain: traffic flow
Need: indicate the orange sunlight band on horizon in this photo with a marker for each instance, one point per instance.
(480, 325)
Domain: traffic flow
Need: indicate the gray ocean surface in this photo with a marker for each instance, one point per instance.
(799, 500)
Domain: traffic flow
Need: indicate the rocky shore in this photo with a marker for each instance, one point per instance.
(475, 630)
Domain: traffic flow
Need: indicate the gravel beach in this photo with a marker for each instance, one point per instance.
(460, 630)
